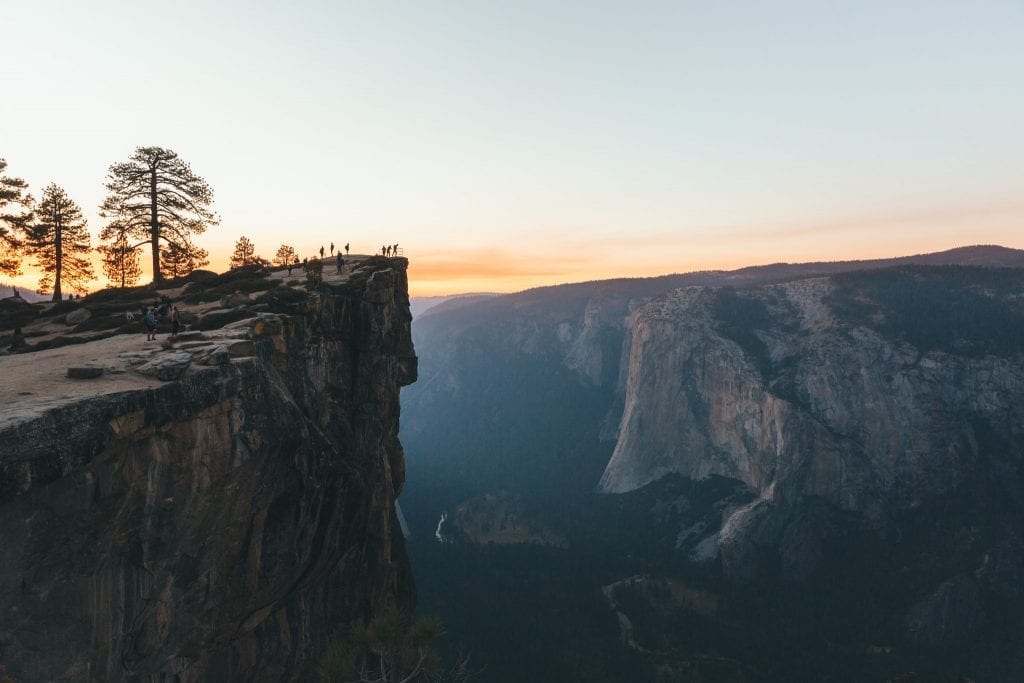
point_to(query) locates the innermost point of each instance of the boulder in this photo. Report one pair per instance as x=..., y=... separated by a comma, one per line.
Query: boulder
x=218, y=355
x=191, y=345
x=166, y=366
x=236, y=299
x=79, y=315
x=243, y=347
x=84, y=371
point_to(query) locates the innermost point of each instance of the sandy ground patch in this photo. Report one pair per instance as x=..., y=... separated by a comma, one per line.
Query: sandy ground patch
x=32, y=383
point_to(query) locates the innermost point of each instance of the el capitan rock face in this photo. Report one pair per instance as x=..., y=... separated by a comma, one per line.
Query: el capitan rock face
x=217, y=526
x=870, y=392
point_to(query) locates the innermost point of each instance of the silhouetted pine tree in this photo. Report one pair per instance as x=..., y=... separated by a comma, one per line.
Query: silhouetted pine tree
x=178, y=262
x=244, y=254
x=12, y=222
x=121, y=263
x=285, y=255
x=155, y=196
x=59, y=241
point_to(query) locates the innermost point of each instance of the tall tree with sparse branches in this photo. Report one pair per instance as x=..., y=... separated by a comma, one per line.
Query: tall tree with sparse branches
x=121, y=262
x=244, y=254
x=59, y=240
x=15, y=216
x=154, y=197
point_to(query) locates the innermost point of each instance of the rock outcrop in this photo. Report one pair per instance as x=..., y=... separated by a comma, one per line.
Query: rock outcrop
x=870, y=392
x=218, y=520
x=499, y=519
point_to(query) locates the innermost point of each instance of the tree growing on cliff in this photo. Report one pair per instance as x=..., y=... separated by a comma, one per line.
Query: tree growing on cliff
x=389, y=649
x=15, y=216
x=314, y=273
x=244, y=254
x=178, y=262
x=59, y=240
x=154, y=197
x=121, y=263
x=285, y=255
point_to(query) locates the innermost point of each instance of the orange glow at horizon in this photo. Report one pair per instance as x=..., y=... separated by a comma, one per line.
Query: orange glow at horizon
x=558, y=258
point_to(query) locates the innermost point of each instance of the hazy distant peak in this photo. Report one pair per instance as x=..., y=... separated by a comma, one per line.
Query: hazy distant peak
x=419, y=305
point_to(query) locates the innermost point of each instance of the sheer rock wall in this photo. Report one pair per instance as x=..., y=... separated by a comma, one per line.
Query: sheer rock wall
x=801, y=403
x=216, y=527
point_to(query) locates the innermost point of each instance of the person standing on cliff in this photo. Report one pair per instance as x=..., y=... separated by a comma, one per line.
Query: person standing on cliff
x=340, y=262
x=175, y=321
x=346, y=248
x=150, y=322
x=332, y=248
x=321, y=251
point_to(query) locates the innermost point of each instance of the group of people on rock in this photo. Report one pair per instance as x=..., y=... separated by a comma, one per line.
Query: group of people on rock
x=332, y=250
x=161, y=310
x=385, y=250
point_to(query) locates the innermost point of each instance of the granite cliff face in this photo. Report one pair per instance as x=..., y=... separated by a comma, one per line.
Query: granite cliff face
x=831, y=453
x=526, y=391
x=870, y=392
x=217, y=526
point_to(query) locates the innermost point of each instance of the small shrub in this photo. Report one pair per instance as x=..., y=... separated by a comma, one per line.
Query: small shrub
x=314, y=274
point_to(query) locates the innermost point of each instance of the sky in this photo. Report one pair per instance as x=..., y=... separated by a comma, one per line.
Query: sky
x=507, y=145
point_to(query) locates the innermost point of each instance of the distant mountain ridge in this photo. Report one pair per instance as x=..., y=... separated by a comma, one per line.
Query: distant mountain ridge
x=418, y=305
x=477, y=354
x=832, y=452
x=7, y=290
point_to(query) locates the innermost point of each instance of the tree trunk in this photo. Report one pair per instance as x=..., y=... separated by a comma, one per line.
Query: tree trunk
x=58, y=256
x=154, y=227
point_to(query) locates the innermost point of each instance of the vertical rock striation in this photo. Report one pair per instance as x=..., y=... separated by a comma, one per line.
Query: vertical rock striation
x=219, y=526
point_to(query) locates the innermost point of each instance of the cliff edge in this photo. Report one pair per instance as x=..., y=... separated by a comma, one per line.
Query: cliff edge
x=213, y=508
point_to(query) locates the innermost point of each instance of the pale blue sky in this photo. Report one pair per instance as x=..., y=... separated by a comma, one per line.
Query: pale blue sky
x=529, y=142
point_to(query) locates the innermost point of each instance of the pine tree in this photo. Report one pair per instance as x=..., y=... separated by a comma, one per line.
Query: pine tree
x=59, y=240
x=12, y=223
x=178, y=262
x=121, y=263
x=245, y=253
x=285, y=255
x=389, y=649
x=155, y=196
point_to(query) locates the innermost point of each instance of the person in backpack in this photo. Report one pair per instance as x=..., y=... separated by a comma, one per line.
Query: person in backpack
x=150, y=322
